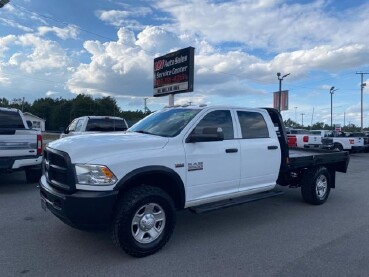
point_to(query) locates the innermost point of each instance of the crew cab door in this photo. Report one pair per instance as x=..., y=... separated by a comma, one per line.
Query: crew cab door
x=212, y=167
x=260, y=150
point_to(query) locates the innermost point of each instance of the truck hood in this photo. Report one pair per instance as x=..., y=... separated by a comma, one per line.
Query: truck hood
x=85, y=148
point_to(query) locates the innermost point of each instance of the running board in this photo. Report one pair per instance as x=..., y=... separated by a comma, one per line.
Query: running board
x=234, y=201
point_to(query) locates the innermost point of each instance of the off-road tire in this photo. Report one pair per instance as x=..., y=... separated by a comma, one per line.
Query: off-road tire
x=33, y=175
x=316, y=185
x=128, y=206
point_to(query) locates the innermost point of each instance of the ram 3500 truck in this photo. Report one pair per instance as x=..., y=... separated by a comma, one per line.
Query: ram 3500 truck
x=197, y=157
x=20, y=146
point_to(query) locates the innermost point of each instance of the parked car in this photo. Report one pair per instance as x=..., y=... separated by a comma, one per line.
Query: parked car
x=95, y=124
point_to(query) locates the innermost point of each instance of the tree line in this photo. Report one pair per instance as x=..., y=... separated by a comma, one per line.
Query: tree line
x=59, y=112
x=321, y=126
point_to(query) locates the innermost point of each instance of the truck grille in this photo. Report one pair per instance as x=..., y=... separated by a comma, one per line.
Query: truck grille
x=58, y=170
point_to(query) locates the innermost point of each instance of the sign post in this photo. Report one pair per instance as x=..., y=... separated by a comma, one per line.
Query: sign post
x=174, y=73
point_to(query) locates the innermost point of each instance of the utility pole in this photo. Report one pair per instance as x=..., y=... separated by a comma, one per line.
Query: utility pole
x=331, y=91
x=145, y=104
x=362, y=88
x=280, y=90
x=302, y=119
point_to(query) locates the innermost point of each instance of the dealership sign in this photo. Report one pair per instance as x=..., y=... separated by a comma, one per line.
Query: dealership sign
x=173, y=72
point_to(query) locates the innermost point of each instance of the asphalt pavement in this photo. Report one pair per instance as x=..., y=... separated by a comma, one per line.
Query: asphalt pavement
x=280, y=236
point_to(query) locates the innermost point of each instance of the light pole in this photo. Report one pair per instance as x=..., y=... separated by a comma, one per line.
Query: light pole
x=302, y=120
x=295, y=114
x=280, y=89
x=362, y=88
x=331, y=91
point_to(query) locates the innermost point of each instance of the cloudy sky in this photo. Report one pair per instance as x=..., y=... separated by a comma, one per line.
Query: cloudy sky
x=106, y=48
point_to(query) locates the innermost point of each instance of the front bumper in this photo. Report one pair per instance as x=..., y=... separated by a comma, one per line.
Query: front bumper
x=80, y=209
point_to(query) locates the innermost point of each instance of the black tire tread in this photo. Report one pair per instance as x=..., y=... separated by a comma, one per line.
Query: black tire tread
x=125, y=204
x=308, y=185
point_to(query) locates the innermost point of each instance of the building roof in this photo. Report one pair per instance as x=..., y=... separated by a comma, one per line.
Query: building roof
x=32, y=115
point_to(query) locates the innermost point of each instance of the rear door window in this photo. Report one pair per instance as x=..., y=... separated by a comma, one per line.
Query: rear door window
x=11, y=120
x=253, y=125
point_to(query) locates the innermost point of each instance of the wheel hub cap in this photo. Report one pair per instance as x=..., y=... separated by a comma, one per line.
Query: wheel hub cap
x=147, y=222
x=321, y=187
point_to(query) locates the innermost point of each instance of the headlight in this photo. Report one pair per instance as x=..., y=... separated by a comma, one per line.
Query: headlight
x=91, y=174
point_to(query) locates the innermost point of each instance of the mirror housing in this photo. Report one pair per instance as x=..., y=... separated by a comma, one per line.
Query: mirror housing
x=29, y=124
x=208, y=134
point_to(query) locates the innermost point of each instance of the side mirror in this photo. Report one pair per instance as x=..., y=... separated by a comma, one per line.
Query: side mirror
x=66, y=131
x=29, y=124
x=208, y=134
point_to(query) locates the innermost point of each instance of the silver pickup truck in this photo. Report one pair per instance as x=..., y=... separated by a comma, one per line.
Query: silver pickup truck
x=20, y=145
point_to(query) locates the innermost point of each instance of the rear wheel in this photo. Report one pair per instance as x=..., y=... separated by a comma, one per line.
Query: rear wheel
x=144, y=221
x=33, y=175
x=316, y=185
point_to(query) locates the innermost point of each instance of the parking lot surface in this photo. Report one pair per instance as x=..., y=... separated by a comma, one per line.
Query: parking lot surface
x=281, y=236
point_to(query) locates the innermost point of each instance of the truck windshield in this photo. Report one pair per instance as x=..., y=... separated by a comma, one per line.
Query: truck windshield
x=165, y=123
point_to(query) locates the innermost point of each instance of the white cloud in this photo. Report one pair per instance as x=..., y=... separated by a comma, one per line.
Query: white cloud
x=71, y=31
x=124, y=18
x=116, y=68
x=4, y=43
x=158, y=40
x=271, y=25
x=45, y=54
x=14, y=24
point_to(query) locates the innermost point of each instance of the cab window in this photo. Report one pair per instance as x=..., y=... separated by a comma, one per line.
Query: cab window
x=79, y=125
x=253, y=125
x=216, y=119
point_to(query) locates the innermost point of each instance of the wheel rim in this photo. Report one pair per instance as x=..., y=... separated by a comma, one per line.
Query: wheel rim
x=321, y=186
x=148, y=223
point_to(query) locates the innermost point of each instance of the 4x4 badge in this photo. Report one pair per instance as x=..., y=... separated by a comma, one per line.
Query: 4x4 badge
x=195, y=166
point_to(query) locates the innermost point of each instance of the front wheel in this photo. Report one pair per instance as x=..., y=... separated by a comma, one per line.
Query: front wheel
x=144, y=221
x=316, y=185
x=338, y=147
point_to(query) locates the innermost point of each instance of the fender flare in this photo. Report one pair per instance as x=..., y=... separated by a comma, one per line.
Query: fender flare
x=178, y=184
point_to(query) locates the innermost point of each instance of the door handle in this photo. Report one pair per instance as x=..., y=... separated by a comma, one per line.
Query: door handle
x=231, y=150
x=272, y=147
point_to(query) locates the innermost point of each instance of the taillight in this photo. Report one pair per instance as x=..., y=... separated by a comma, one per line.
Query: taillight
x=291, y=141
x=352, y=141
x=305, y=139
x=39, y=144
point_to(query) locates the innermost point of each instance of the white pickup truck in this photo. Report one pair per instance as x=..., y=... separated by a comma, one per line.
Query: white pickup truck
x=94, y=124
x=20, y=146
x=343, y=143
x=197, y=157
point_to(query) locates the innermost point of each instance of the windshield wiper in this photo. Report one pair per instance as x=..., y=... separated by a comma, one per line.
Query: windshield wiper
x=144, y=132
